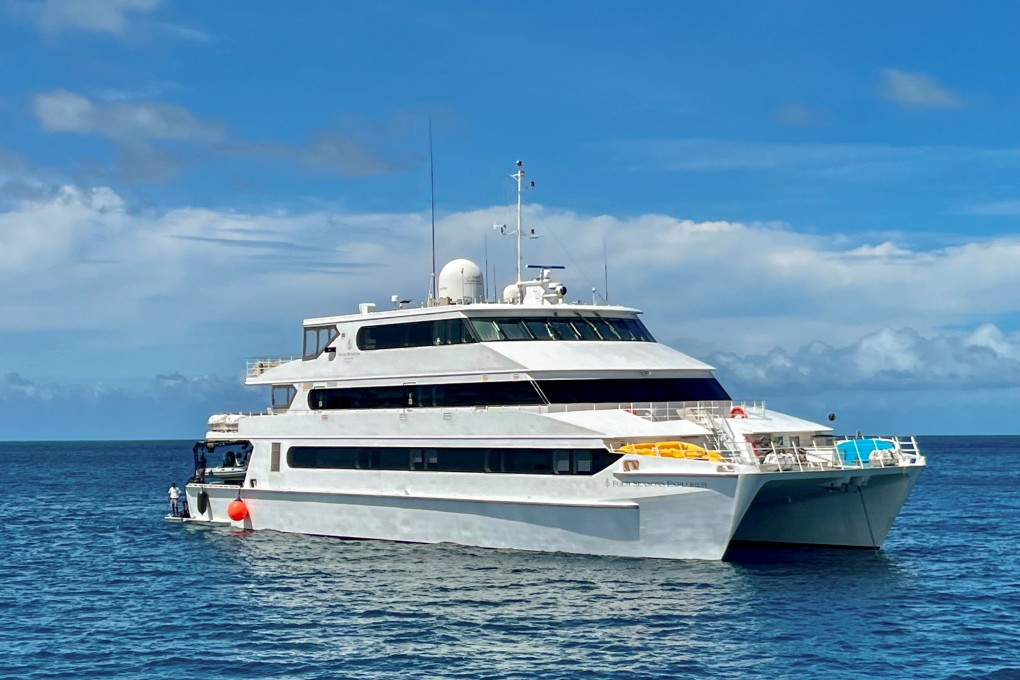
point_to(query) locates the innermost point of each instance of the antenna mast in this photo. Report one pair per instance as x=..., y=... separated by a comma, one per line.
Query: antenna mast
x=519, y=176
x=432, y=191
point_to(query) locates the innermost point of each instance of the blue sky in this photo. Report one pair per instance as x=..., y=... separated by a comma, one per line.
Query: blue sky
x=821, y=200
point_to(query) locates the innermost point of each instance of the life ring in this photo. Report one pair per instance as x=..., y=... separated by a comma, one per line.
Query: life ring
x=738, y=412
x=756, y=447
x=203, y=502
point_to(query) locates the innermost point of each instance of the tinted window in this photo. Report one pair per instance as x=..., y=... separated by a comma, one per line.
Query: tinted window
x=630, y=391
x=604, y=330
x=283, y=395
x=585, y=330
x=539, y=329
x=563, y=329
x=511, y=461
x=415, y=334
x=518, y=393
x=514, y=329
x=316, y=340
x=514, y=393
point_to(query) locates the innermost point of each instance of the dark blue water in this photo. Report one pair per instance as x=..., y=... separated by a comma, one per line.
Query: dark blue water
x=94, y=583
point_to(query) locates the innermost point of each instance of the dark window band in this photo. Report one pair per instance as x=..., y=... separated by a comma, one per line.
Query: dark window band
x=492, y=460
x=493, y=329
x=415, y=334
x=567, y=327
x=518, y=393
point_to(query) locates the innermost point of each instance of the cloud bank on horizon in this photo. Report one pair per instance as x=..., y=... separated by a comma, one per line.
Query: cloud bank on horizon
x=161, y=220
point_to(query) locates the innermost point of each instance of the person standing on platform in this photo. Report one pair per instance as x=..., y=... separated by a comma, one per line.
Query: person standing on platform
x=175, y=494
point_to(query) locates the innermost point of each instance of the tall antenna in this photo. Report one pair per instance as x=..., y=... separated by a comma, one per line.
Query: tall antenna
x=605, y=270
x=432, y=190
x=519, y=176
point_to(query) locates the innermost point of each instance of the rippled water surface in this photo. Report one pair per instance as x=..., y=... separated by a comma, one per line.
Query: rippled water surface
x=93, y=582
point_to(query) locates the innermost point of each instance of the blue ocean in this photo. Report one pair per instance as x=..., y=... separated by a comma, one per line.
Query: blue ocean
x=95, y=583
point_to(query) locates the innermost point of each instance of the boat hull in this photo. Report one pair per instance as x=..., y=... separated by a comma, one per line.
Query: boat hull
x=850, y=510
x=625, y=514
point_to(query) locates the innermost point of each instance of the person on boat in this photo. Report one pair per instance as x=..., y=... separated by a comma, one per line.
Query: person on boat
x=200, y=470
x=175, y=495
x=229, y=460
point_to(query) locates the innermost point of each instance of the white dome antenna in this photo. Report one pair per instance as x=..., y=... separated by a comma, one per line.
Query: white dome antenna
x=462, y=282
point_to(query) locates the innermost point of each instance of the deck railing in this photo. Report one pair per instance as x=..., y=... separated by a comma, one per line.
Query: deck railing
x=259, y=365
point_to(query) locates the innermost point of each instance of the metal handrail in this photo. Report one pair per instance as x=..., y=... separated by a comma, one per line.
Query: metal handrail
x=258, y=365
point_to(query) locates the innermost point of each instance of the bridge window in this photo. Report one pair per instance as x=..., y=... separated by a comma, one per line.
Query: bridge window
x=563, y=327
x=415, y=334
x=316, y=339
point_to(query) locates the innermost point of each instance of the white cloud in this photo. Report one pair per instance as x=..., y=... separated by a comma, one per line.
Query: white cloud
x=886, y=359
x=64, y=111
x=81, y=261
x=916, y=89
x=99, y=16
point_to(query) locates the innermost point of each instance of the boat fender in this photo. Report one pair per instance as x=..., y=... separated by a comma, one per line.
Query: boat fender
x=203, y=502
x=738, y=412
x=237, y=510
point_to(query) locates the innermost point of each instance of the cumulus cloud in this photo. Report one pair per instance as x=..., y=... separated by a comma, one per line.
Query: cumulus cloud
x=900, y=359
x=81, y=258
x=916, y=89
x=192, y=291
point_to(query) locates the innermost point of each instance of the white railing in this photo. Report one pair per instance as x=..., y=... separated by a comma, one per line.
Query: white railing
x=768, y=456
x=260, y=365
x=230, y=422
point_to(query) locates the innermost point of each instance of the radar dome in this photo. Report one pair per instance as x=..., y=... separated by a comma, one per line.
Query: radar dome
x=512, y=294
x=461, y=281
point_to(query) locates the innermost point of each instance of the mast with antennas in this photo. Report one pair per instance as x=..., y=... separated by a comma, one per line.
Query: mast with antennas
x=519, y=176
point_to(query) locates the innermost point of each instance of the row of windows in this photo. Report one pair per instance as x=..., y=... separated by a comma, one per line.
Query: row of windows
x=424, y=396
x=560, y=328
x=316, y=339
x=515, y=461
x=491, y=329
x=519, y=393
x=415, y=334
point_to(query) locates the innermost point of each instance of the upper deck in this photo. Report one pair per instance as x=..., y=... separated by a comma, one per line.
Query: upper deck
x=490, y=339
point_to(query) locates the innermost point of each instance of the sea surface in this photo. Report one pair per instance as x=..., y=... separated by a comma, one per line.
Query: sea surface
x=94, y=583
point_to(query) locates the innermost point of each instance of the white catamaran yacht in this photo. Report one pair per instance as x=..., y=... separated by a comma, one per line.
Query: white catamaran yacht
x=532, y=423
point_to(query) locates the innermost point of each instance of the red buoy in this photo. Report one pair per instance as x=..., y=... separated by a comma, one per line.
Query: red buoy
x=237, y=510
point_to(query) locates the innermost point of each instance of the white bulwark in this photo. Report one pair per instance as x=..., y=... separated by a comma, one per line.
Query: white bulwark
x=535, y=424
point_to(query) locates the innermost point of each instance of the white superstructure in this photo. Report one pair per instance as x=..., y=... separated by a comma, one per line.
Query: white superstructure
x=535, y=424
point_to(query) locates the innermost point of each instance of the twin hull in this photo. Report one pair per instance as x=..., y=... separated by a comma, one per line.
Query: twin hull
x=665, y=508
